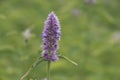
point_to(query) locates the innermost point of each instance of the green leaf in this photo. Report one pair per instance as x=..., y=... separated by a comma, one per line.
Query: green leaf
x=67, y=59
x=37, y=62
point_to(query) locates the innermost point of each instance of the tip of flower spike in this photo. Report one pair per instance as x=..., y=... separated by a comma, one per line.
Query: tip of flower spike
x=52, y=14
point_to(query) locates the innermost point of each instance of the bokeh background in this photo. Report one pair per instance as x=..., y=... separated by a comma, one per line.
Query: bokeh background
x=90, y=36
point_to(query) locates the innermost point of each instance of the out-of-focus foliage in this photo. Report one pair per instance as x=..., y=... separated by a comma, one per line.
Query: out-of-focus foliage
x=90, y=36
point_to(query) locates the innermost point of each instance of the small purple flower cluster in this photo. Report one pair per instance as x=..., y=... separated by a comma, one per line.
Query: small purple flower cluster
x=51, y=36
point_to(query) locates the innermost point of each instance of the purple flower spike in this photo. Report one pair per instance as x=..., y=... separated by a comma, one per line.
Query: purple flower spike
x=51, y=36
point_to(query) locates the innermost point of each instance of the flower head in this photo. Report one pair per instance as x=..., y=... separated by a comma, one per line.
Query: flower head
x=51, y=36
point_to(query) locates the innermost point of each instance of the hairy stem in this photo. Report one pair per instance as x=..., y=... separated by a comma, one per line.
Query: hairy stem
x=49, y=70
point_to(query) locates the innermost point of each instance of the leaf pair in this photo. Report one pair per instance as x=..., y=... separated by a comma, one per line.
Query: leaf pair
x=41, y=59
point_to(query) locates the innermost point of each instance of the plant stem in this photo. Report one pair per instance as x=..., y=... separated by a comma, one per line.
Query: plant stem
x=48, y=70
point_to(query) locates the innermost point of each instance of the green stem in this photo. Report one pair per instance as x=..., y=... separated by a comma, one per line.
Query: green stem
x=48, y=70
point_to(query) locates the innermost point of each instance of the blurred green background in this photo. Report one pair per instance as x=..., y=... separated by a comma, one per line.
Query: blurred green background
x=90, y=36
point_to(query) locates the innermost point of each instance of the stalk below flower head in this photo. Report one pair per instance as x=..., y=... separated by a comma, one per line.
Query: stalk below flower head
x=51, y=36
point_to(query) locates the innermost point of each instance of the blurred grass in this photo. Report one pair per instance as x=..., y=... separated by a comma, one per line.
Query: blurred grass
x=90, y=36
